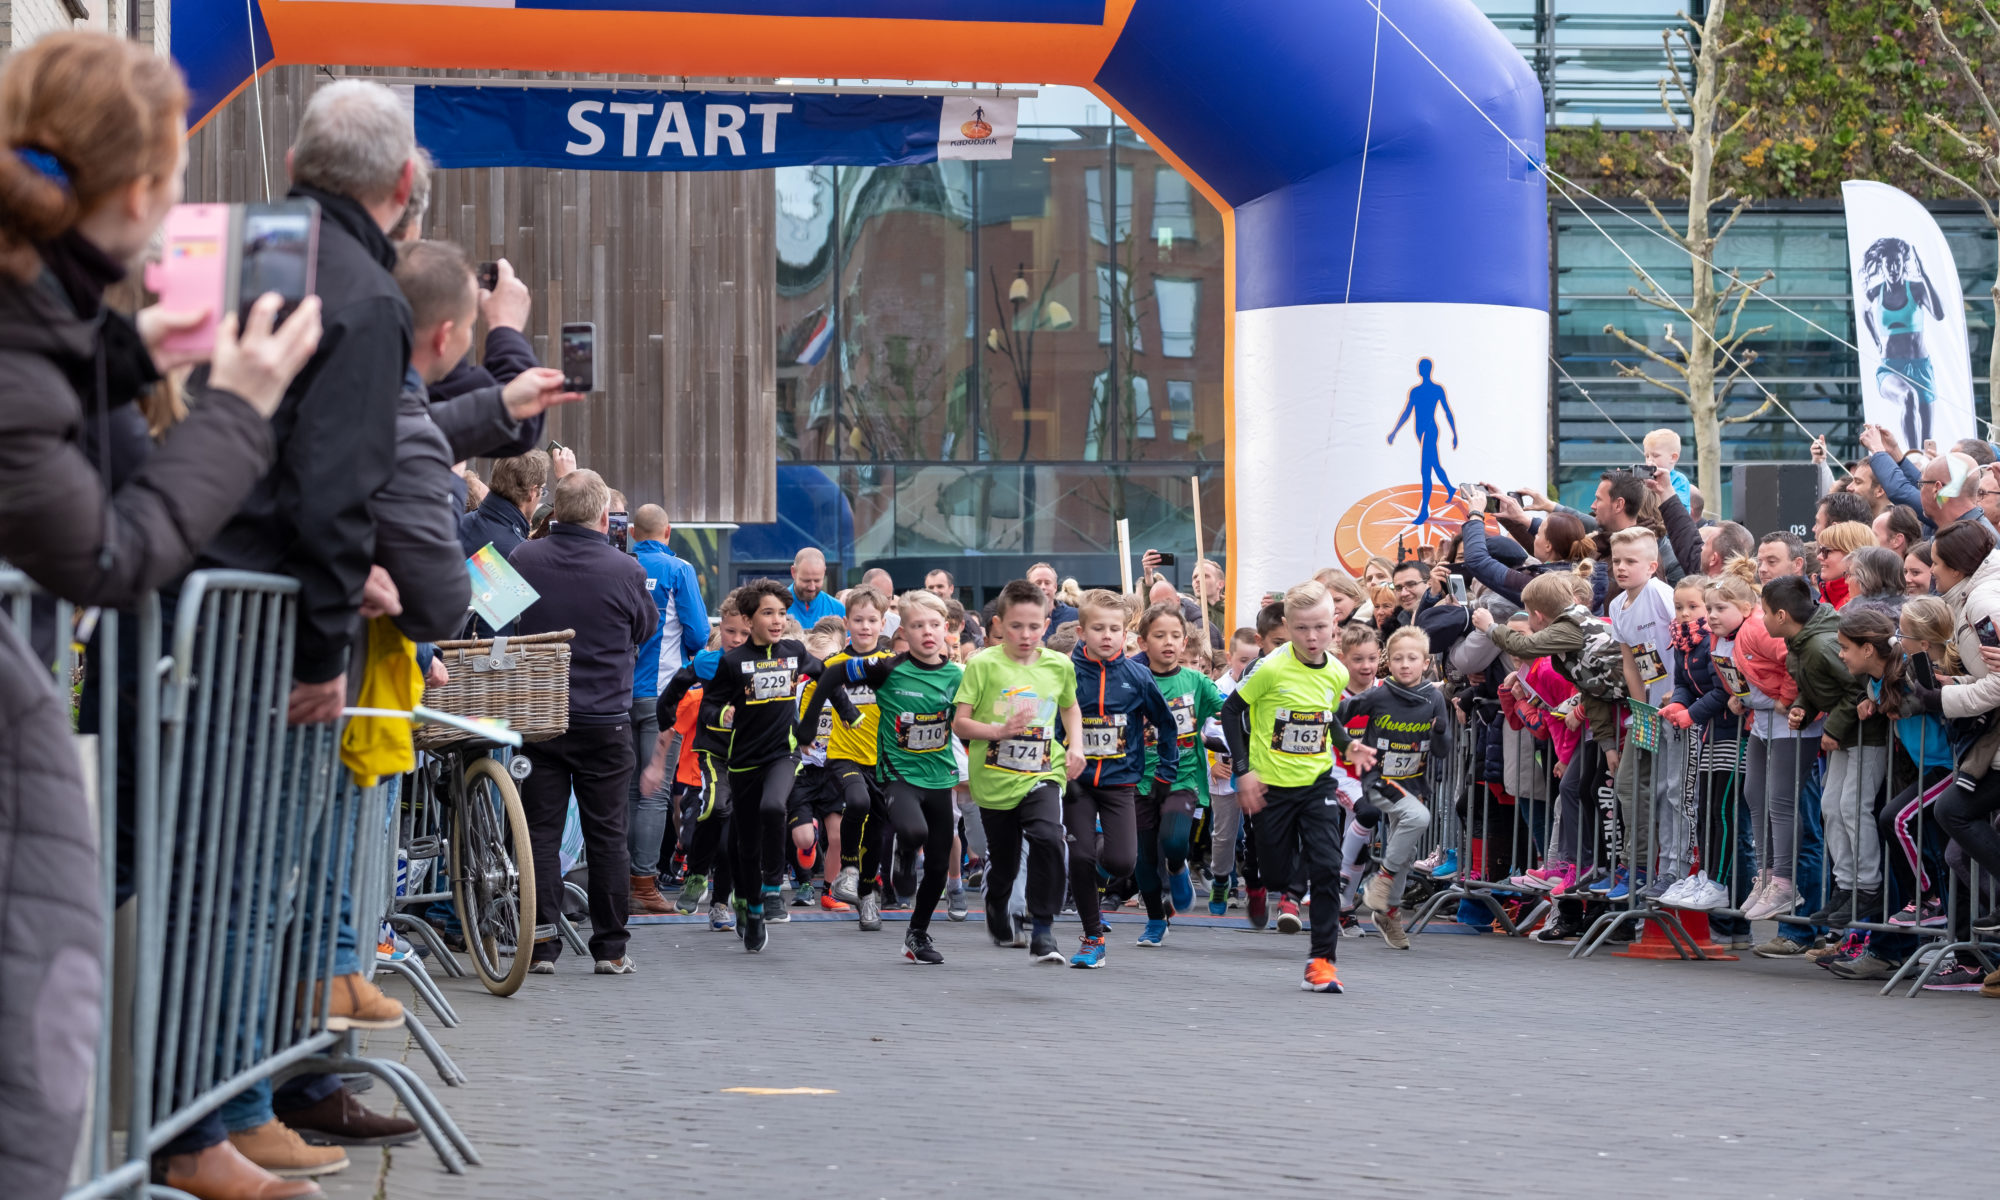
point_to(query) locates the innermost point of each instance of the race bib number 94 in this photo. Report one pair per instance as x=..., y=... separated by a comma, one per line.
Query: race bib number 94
x=1298, y=732
x=924, y=733
x=1104, y=737
x=1027, y=754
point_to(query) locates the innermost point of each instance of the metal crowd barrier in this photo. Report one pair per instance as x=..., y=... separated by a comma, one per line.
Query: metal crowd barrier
x=240, y=837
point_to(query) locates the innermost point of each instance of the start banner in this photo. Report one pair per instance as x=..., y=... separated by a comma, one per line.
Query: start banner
x=632, y=130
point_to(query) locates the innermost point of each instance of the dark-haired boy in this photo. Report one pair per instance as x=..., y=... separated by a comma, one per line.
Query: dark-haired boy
x=1008, y=705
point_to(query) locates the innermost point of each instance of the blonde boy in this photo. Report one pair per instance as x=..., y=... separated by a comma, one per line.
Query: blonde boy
x=1663, y=450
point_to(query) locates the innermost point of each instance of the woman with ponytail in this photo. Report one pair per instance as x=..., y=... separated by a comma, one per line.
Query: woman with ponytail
x=92, y=149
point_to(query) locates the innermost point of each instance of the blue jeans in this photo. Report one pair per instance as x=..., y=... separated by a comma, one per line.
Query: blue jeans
x=1810, y=877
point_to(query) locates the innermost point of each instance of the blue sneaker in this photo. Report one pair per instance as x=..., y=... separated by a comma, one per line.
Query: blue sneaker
x=1091, y=955
x=1218, y=898
x=1156, y=932
x=1614, y=880
x=1448, y=868
x=1181, y=889
x=1624, y=889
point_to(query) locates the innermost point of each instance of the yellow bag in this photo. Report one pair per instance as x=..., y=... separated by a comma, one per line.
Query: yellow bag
x=372, y=747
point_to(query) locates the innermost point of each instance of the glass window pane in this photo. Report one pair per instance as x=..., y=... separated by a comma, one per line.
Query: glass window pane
x=1094, y=435
x=1142, y=407
x=1180, y=407
x=1117, y=306
x=1179, y=302
x=1173, y=206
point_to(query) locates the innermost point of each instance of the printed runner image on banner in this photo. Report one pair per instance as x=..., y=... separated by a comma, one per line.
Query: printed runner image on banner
x=631, y=130
x=1916, y=367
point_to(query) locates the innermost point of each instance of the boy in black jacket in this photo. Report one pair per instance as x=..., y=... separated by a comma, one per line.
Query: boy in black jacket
x=1408, y=725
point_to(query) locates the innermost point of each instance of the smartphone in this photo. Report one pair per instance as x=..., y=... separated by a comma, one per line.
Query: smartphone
x=1457, y=585
x=489, y=276
x=1922, y=672
x=279, y=249
x=579, y=356
x=1166, y=560
x=553, y=446
x=621, y=524
x=218, y=258
x=1645, y=470
x=1493, y=504
x=1988, y=636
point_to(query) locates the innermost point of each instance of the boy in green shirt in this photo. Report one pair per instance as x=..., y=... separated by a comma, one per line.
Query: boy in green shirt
x=1013, y=694
x=1282, y=729
x=1166, y=815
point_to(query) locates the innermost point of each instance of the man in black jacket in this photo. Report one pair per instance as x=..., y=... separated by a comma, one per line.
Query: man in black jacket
x=336, y=429
x=517, y=487
x=587, y=586
x=468, y=402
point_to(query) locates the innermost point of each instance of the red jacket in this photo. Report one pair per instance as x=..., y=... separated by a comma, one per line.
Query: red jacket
x=1761, y=658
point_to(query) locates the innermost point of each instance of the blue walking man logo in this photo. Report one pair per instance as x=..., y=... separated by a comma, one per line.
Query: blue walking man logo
x=1425, y=399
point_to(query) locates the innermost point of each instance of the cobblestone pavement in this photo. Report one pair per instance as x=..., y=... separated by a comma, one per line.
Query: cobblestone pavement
x=1472, y=1065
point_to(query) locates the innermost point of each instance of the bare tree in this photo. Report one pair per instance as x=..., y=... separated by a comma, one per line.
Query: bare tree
x=1715, y=337
x=1982, y=146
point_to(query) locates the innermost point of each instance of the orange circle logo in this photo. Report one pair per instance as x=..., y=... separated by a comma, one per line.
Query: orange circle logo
x=976, y=129
x=1380, y=523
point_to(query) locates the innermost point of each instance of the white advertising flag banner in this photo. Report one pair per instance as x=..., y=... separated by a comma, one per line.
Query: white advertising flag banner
x=977, y=127
x=1916, y=368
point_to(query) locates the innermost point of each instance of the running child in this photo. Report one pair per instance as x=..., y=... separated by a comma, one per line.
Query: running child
x=850, y=760
x=1008, y=704
x=914, y=693
x=816, y=798
x=753, y=695
x=1225, y=818
x=1282, y=735
x=705, y=822
x=1360, y=652
x=1408, y=725
x=1166, y=813
x=1116, y=694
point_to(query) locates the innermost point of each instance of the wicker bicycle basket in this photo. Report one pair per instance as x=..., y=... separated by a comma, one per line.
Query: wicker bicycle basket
x=527, y=686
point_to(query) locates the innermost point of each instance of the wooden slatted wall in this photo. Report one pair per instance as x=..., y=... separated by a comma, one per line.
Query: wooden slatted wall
x=676, y=269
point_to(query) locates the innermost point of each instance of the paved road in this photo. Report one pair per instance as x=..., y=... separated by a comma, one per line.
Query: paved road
x=1471, y=1065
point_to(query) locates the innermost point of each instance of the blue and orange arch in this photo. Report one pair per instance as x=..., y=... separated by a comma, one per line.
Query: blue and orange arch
x=1372, y=167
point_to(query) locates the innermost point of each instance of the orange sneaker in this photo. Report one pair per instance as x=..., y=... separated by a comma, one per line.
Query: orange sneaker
x=1321, y=977
x=827, y=902
x=807, y=856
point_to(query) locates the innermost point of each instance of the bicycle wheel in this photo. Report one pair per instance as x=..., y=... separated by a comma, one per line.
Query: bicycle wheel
x=493, y=876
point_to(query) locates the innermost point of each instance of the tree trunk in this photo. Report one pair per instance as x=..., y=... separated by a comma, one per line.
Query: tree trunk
x=1700, y=245
x=1992, y=370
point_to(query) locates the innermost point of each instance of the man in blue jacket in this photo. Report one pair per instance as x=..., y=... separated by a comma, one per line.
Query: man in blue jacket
x=681, y=634
x=1117, y=696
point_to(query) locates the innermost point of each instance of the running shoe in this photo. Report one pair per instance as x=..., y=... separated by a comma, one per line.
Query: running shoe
x=1090, y=956
x=542, y=966
x=756, y=932
x=1448, y=868
x=1288, y=916
x=617, y=966
x=847, y=885
x=917, y=948
x=1375, y=893
x=1558, y=928
x=390, y=952
x=956, y=906
x=871, y=912
x=1780, y=896
x=807, y=857
x=975, y=872
x=775, y=911
x=1781, y=947
x=1321, y=977
x=1218, y=898
x=1839, y=907
x=1430, y=862
x=1389, y=923
x=1862, y=966
x=720, y=918
x=1180, y=888
x=1958, y=977
x=1020, y=923
x=693, y=890
x=1678, y=890
x=1605, y=885
x=828, y=904
x=1622, y=889
x=1042, y=947
x=1907, y=915
x=1703, y=894
x=804, y=897
x=1665, y=882
x=1259, y=911
x=999, y=926
x=1155, y=933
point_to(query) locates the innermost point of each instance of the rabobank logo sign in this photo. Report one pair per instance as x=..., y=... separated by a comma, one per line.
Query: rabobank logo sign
x=1050, y=12
x=623, y=129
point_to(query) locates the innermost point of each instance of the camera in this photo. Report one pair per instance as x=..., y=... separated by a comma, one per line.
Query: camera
x=1645, y=470
x=620, y=532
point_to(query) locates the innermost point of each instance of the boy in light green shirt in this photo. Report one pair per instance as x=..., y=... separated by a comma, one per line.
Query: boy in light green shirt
x=1014, y=694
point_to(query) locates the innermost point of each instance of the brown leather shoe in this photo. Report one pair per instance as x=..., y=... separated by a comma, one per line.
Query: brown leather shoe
x=222, y=1173
x=359, y=1004
x=342, y=1120
x=278, y=1150
x=646, y=897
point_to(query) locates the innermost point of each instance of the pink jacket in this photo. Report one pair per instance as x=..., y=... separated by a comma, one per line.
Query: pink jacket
x=1551, y=689
x=1761, y=657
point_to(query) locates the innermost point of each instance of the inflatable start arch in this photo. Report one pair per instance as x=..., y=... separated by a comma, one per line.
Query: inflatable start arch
x=1388, y=238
